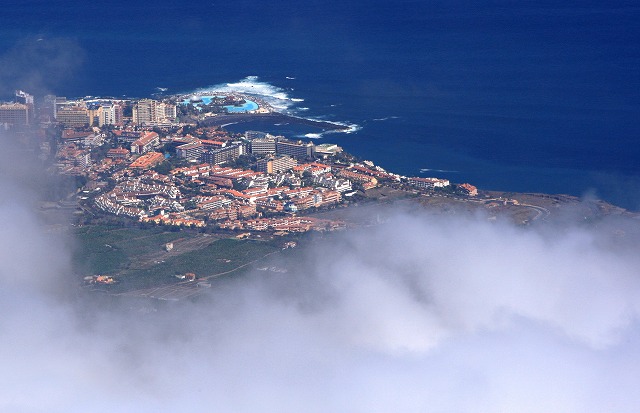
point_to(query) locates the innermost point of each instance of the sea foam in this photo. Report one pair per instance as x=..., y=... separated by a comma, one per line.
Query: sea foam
x=275, y=96
x=425, y=170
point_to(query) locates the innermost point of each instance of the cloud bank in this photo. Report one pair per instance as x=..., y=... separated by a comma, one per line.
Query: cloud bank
x=421, y=314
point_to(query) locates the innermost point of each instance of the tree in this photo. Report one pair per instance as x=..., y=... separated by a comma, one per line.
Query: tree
x=163, y=168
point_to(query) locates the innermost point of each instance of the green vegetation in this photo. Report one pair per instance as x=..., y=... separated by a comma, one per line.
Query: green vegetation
x=108, y=250
x=218, y=257
x=137, y=259
x=164, y=168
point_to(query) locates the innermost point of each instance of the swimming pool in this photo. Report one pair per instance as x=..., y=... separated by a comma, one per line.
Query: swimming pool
x=246, y=107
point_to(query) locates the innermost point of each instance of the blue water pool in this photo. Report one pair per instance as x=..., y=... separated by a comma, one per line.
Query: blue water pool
x=246, y=107
x=205, y=100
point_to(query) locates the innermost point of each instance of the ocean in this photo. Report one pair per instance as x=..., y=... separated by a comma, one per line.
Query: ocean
x=536, y=96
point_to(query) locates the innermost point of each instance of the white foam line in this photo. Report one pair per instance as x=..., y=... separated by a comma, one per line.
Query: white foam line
x=424, y=170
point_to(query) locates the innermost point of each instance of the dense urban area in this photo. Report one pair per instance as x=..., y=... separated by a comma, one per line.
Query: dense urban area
x=162, y=163
x=152, y=161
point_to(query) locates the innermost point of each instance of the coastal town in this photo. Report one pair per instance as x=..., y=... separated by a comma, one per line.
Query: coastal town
x=165, y=199
x=158, y=162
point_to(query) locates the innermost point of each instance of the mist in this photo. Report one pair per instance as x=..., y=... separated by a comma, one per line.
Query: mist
x=423, y=313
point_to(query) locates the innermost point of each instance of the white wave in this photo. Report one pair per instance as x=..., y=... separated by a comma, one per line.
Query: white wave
x=289, y=77
x=313, y=135
x=424, y=170
x=386, y=118
x=162, y=89
x=351, y=127
x=275, y=96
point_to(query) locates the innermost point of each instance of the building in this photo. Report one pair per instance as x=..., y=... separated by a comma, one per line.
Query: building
x=365, y=181
x=166, y=112
x=26, y=99
x=327, y=149
x=145, y=143
x=276, y=164
x=72, y=136
x=150, y=112
x=428, y=183
x=14, y=113
x=118, y=153
x=127, y=136
x=110, y=114
x=300, y=150
x=148, y=160
x=144, y=112
x=191, y=150
x=73, y=116
x=60, y=102
x=213, y=202
x=252, y=134
x=222, y=155
x=263, y=146
x=314, y=169
x=469, y=189
x=212, y=145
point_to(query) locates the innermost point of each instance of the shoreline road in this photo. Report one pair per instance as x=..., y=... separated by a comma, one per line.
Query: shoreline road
x=539, y=210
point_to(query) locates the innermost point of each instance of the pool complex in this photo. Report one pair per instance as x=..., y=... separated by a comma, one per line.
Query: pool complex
x=248, y=105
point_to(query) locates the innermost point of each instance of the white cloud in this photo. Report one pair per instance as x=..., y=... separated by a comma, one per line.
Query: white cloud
x=423, y=313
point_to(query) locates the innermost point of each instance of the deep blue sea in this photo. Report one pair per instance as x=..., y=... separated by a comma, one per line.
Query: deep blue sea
x=509, y=95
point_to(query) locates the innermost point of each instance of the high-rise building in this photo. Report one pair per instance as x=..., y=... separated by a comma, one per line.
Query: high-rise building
x=73, y=116
x=222, y=155
x=166, y=112
x=26, y=99
x=298, y=149
x=149, y=111
x=110, y=114
x=16, y=114
x=265, y=145
x=60, y=102
x=93, y=112
x=276, y=164
x=145, y=111
x=118, y=114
